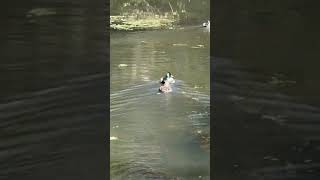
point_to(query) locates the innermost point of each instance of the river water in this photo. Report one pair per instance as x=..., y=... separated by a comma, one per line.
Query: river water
x=53, y=90
x=160, y=136
x=262, y=131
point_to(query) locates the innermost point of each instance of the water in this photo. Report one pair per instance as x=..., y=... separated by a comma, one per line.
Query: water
x=276, y=134
x=266, y=91
x=53, y=95
x=53, y=91
x=160, y=136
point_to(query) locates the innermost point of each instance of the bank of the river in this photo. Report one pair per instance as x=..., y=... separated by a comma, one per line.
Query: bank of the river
x=133, y=23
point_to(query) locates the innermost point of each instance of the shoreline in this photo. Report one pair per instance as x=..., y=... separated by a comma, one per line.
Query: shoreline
x=133, y=23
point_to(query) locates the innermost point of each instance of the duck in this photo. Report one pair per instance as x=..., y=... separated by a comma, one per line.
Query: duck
x=168, y=78
x=206, y=24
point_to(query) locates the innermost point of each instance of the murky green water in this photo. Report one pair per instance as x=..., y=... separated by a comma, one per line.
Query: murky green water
x=160, y=136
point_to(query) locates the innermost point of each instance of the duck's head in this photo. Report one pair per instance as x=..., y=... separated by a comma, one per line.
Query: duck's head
x=169, y=75
x=163, y=79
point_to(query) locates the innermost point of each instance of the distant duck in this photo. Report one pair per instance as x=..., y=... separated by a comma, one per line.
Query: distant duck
x=206, y=24
x=168, y=78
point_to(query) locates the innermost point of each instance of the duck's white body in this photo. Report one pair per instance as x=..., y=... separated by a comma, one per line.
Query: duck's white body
x=171, y=80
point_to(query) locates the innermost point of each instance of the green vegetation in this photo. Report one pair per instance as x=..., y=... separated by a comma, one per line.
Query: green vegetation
x=155, y=14
x=130, y=23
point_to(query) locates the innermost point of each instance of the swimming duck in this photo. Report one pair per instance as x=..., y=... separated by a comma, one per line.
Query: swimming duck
x=206, y=24
x=168, y=78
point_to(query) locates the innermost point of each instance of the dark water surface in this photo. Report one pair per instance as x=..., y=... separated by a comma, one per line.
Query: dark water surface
x=266, y=90
x=53, y=90
x=261, y=130
x=160, y=136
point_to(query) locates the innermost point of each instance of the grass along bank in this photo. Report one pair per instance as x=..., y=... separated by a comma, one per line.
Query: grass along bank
x=134, y=23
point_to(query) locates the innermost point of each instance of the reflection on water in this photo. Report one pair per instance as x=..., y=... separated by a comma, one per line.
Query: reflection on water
x=160, y=136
